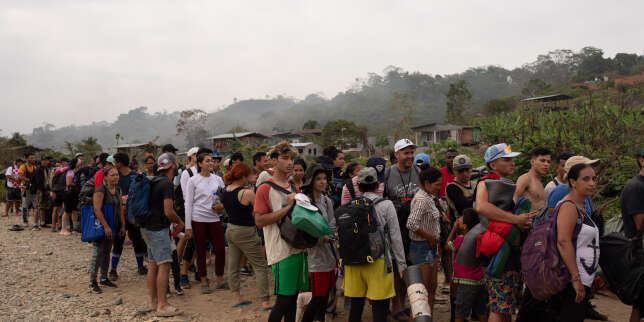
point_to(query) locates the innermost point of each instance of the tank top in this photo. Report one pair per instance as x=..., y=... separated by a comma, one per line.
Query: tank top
x=587, y=252
x=238, y=214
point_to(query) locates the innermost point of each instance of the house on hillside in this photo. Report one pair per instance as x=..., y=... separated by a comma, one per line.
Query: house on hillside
x=294, y=136
x=555, y=102
x=138, y=151
x=434, y=133
x=307, y=148
x=222, y=142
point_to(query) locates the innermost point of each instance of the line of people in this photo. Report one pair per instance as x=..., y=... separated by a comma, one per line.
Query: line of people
x=426, y=217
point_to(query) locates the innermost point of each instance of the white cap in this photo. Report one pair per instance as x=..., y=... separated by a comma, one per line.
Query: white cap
x=401, y=144
x=193, y=151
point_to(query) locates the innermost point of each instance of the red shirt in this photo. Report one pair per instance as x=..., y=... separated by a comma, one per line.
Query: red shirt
x=447, y=179
x=98, y=178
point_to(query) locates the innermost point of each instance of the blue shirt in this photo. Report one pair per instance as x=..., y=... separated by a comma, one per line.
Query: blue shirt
x=124, y=182
x=560, y=192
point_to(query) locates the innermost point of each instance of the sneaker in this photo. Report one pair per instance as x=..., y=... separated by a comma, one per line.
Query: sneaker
x=185, y=282
x=143, y=270
x=93, y=287
x=178, y=290
x=106, y=282
x=246, y=270
x=113, y=276
x=5, y=215
x=35, y=228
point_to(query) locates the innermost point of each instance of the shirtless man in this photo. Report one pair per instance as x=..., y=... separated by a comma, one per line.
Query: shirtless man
x=529, y=184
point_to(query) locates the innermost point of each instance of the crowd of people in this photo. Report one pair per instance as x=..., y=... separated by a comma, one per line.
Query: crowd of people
x=473, y=229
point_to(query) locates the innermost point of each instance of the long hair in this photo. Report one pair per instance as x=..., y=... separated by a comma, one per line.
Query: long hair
x=239, y=171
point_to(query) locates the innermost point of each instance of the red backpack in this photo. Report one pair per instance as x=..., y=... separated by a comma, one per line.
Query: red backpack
x=544, y=271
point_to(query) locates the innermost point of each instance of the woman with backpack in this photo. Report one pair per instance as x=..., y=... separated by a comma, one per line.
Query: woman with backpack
x=70, y=197
x=563, y=295
x=202, y=219
x=106, y=194
x=424, y=229
x=322, y=257
x=241, y=234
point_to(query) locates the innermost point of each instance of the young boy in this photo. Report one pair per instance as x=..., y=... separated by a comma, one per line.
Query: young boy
x=471, y=293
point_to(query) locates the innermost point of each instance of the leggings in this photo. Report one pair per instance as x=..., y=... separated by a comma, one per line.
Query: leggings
x=379, y=309
x=286, y=307
x=100, y=258
x=203, y=232
x=135, y=234
x=316, y=308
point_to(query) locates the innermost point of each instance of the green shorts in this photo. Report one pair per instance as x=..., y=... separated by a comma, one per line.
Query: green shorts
x=291, y=274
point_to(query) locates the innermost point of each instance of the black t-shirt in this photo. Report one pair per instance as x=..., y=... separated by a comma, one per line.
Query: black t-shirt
x=458, y=197
x=160, y=190
x=124, y=181
x=632, y=202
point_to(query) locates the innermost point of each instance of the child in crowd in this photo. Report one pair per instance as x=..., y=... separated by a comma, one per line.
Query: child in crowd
x=471, y=294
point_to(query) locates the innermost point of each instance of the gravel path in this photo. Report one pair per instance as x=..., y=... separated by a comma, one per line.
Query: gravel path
x=44, y=277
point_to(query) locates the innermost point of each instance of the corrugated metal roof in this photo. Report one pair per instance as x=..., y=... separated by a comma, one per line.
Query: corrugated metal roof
x=547, y=98
x=234, y=135
x=131, y=145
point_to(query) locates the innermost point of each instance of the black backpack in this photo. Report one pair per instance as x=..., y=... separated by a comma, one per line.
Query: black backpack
x=179, y=202
x=86, y=195
x=360, y=240
x=58, y=183
x=298, y=239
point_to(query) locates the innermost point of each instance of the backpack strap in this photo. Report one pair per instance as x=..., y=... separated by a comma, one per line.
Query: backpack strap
x=580, y=220
x=350, y=188
x=279, y=188
x=190, y=172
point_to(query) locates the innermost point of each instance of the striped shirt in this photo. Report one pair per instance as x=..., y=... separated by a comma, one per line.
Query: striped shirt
x=423, y=215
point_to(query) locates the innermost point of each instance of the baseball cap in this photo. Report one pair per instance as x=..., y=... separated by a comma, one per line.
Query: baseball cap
x=421, y=158
x=578, y=159
x=193, y=151
x=169, y=148
x=379, y=164
x=401, y=144
x=499, y=151
x=166, y=160
x=78, y=155
x=367, y=175
x=461, y=162
x=110, y=159
x=216, y=155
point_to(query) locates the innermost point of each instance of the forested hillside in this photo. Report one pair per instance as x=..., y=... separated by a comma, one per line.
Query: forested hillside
x=368, y=101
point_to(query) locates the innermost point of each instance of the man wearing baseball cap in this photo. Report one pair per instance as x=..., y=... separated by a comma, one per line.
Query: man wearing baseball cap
x=156, y=234
x=460, y=192
x=632, y=204
x=562, y=190
x=500, y=160
x=402, y=181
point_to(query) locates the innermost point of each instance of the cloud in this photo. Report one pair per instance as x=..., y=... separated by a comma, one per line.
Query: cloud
x=73, y=62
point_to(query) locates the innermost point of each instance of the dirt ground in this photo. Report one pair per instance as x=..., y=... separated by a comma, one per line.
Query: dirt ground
x=45, y=278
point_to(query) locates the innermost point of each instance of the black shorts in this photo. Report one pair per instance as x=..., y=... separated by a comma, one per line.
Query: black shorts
x=13, y=195
x=58, y=199
x=71, y=201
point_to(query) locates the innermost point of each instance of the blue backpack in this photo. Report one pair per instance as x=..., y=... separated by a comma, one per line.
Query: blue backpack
x=138, y=200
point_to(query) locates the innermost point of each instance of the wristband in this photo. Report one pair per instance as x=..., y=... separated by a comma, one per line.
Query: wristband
x=576, y=278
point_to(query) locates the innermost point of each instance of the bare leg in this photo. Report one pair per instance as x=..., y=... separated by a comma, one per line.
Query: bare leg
x=65, y=224
x=635, y=315
x=54, y=216
x=433, y=281
x=180, y=247
x=151, y=280
x=162, y=275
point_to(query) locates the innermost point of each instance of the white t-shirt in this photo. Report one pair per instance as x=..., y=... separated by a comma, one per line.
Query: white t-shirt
x=551, y=186
x=200, y=193
x=13, y=177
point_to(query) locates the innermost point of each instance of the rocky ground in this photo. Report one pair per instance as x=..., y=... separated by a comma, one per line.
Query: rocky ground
x=44, y=277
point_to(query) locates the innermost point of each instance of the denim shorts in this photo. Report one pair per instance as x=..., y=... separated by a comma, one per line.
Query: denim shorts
x=421, y=253
x=158, y=242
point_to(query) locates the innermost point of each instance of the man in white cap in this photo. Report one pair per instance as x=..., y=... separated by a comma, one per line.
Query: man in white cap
x=402, y=181
x=191, y=170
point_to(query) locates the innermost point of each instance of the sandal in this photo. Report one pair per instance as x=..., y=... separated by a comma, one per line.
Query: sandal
x=16, y=228
x=170, y=312
x=242, y=303
x=222, y=286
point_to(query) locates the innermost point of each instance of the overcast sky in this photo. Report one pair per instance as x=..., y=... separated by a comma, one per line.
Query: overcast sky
x=74, y=62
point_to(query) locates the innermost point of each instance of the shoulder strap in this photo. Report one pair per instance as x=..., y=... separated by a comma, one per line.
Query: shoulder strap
x=190, y=172
x=555, y=181
x=386, y=191
x=352, y=191
x=278, y=188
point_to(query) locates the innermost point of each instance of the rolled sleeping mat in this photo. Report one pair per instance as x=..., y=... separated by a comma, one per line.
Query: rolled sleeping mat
x=418, y=295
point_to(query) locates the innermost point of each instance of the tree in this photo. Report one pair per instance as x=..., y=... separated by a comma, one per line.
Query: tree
x=500, y=105
x=533, y=87
x=382, y=141
x=89, y=147
x=191, y=123
x=458, y=98
x=238, y=129
x=341, y=133
x=405, y=104
x=17, y=140
x=310, y=125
